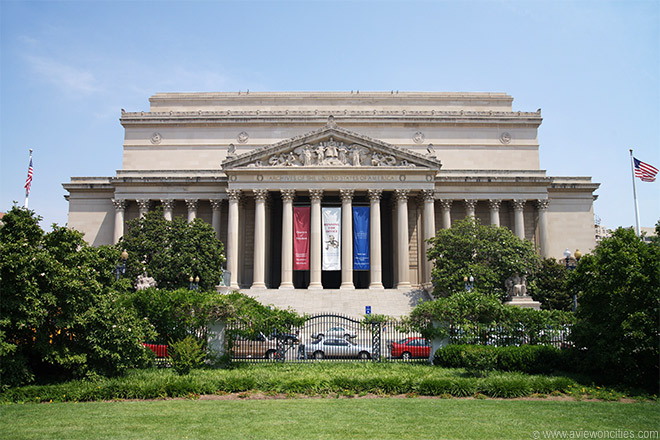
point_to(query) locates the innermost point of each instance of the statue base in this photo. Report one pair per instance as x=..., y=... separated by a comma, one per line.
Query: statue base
x=526, y=302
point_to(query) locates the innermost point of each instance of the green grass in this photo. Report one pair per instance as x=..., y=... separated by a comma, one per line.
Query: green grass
x=309, y=379
x=321, y=418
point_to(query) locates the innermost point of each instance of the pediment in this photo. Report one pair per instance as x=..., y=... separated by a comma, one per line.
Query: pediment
x=331, y=147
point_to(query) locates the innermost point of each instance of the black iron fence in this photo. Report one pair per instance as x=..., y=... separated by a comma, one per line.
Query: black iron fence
x=342, y=338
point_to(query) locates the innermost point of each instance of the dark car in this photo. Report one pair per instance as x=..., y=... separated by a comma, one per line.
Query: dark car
x=288, y=338
x=409, y=348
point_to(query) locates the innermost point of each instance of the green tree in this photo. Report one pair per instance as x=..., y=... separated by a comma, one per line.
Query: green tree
x=488, y=253
x=60, y=315
x=617, y=325
x=173, y=251
x=549, y=286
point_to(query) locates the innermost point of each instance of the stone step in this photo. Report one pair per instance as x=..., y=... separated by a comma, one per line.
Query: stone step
x=351, y=302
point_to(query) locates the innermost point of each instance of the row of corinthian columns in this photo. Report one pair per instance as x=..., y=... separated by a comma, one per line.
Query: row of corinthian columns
x=401, y=247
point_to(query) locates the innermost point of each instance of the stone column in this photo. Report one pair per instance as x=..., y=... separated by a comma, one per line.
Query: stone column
x=494, y=205
x=216, y=205
x=259, y=267
x=143, y=206
x=232, y=235
x=346, y=239
x=120, y=209
x=445, y=209
x=544, y=240
x=428, y=196
x=315, y=240
x=192, y=209
x=470, y=205
x=287, y=238
x=518, y=218
x=168, y=208
x=403, y=258
x=375, y=252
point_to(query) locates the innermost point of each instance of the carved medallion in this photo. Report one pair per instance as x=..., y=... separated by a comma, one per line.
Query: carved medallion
x=242, y=137
x=505, y=138
x=156, y=138
x=418, y=137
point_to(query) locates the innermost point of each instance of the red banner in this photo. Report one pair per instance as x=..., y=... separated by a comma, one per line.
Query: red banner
x=301, y=223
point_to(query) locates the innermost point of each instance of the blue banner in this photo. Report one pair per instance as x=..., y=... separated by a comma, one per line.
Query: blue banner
x=360, y=238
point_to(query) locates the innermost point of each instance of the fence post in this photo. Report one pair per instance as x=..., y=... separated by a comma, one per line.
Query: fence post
x=215, y=337
x=375, y=341
x=438, y=341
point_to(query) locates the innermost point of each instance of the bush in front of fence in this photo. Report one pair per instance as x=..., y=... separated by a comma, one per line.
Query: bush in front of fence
x=477, y=359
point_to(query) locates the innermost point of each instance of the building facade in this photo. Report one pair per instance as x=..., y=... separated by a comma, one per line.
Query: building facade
x=245, y=162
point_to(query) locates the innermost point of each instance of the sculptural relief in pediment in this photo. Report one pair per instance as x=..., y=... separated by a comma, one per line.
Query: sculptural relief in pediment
x=332, y=153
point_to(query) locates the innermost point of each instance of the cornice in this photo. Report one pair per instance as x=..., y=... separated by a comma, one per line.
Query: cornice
x=341, y=116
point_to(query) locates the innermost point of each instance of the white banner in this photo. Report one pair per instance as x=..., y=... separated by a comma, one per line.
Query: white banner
x=331, y=218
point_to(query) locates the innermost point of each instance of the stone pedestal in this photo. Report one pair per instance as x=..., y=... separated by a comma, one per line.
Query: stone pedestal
x=524, y=302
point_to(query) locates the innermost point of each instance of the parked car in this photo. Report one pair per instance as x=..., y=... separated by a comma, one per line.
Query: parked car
x=409, y=348
x=337, y=348
x=288, y=338
x=258, y=346
x=335, y=332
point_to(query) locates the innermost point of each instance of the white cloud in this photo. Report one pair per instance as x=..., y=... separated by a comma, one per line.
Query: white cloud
x=69, y=78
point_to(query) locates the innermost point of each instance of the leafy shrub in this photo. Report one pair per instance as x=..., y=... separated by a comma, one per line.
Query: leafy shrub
x=60, y=317
x=482, y=358
x=478, y=360
x=618, y=288
x=186, y=354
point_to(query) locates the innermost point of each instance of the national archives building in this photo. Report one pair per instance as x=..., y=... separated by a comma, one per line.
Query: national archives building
x=324, y=200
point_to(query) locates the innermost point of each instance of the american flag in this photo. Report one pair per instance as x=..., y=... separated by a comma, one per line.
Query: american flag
x=645, y=171
x=28, y=181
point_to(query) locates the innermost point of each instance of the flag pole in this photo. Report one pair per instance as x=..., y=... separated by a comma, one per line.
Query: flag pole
x=632, y=170
x=27, y=190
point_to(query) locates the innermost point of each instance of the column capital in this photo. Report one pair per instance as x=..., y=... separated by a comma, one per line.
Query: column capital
x=234, y=194
x=470, y=204
x=316, y=194
x=401, y=195
x=542, y=204
x=446, y=203
x=192, y=203
x=119, y=204
x=428, y=195
x=288, y=194
x=375, y=194
x=167, y=203
x=518, y=204
x=260, y=194
x=144, y=204
x=216, y=204
x=346, y=195
x=494, y=204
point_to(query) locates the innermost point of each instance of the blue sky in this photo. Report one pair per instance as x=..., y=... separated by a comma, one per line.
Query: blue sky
x=68, y=68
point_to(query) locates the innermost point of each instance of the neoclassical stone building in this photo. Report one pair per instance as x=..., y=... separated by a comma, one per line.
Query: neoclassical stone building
x=318, y=191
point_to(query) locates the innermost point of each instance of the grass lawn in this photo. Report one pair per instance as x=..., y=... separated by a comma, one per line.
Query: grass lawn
x=323, y=418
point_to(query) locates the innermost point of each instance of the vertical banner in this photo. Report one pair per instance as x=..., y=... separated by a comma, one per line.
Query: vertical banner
x=360, y=238
x=331, y=247
x=301, y=237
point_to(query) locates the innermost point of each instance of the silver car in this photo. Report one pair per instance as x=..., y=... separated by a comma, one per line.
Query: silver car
x=337, y=348
x=335, y=332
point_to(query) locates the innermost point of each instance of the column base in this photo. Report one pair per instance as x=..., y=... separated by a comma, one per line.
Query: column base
x=376, y=286
x=315, y=286
x=347, y=286
x=405, y=285
x=286, y=286
x=234, y=286
x=258, y=286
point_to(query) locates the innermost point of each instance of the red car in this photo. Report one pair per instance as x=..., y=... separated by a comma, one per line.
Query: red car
x=409, y=348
